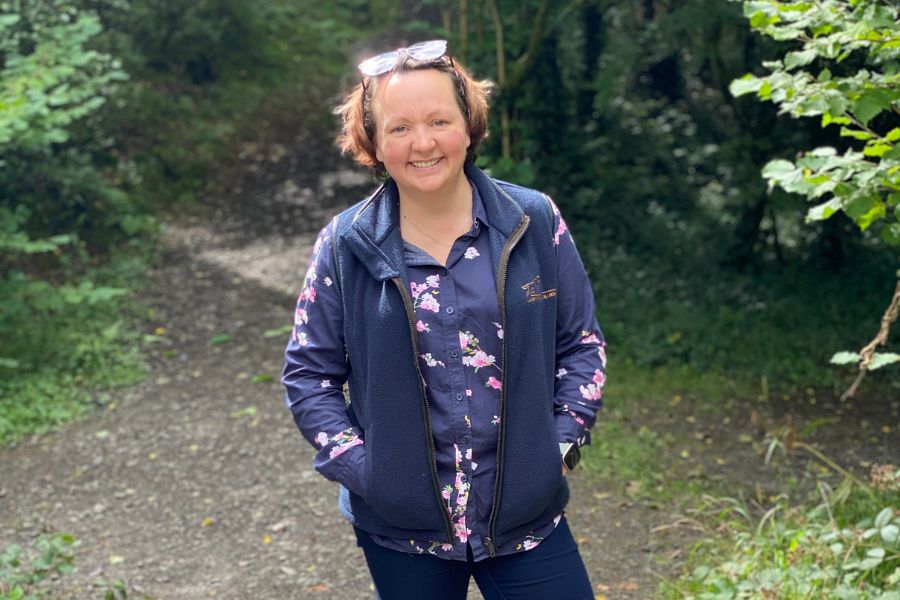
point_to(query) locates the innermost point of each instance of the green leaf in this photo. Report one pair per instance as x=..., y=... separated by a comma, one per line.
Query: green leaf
x=855, y=134
x=824, y=210
x=891, y=234
x=876, y=150
x=880, y=359
x=874, y=557
x=890, y=533
x=249, y=411
x=845, y=358
x=745, y=85
x=278, y=332
x=261, y=378
x=220, y=338
x=865, y=210
x=872, y=103
x=799, y=59
x=893, y=135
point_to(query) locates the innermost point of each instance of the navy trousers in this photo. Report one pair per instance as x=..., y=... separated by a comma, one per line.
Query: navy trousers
x=552, y=570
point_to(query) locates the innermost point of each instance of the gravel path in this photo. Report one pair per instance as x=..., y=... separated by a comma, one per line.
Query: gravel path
x=196, y=483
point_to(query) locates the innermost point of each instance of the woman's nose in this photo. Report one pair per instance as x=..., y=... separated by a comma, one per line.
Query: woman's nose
x=422, y=140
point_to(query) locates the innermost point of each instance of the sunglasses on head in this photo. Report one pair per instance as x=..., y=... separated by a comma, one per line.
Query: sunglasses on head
x=385, y=62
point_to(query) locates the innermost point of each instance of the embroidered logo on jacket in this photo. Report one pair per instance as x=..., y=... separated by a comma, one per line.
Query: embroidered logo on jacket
x=534, y=291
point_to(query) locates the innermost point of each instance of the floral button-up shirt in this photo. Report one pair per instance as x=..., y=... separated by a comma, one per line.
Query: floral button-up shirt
x=458, y=324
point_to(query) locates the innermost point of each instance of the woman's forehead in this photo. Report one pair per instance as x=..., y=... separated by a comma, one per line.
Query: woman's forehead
x=415, y=90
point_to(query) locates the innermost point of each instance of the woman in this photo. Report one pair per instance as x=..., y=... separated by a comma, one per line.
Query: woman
x=457, y=309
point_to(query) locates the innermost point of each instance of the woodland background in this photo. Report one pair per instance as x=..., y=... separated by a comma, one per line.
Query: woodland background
x=115, y=114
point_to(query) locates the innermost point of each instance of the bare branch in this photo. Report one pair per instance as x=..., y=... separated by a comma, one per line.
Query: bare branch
x=868, y=352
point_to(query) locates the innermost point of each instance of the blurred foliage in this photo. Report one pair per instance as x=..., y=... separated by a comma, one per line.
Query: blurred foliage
x=622, y=112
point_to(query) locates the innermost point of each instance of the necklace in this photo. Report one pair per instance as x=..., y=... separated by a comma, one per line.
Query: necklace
x=431, y=237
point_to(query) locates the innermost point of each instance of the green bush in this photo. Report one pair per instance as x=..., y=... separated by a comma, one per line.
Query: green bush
x=847, y=547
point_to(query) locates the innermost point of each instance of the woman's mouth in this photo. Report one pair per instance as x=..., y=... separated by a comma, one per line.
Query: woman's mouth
x=424, y=164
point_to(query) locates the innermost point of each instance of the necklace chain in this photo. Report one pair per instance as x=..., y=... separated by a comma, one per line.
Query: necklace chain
x=431, y=237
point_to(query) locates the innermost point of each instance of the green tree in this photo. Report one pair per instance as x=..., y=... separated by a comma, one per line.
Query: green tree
x=843, y=67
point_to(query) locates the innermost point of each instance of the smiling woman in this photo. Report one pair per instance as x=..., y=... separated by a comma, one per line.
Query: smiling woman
x=457, y=309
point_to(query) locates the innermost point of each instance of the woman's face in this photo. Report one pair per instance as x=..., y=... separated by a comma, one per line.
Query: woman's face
x=420, y=132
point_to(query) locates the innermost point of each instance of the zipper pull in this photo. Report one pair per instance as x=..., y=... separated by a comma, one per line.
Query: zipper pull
x=490, y=546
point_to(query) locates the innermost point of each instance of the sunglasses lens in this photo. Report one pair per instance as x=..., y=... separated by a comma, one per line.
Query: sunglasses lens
x=378, y=65
x=428, y=50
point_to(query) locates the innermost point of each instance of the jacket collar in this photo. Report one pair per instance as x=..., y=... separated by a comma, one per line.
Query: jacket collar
x=374, y=235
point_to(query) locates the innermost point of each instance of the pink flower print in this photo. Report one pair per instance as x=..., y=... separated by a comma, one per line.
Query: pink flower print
x=446, y=491
x=480, y=359
x=458, y=461
x=499, y=330
x=302, y=339
x=420, y=327
x=463, y=340
x=530, y=542
x=599, y=377
x=326, y=383
x=469, y=393
x=429, y=303
x=431, y=361
x=474, y=466
x=560, y=230
x=471, y=253
x=601, y=352
x=557, y=519
x=459, y=528
x=591, y=391
x=495, y=420
x=322, y=439
x=446, y=547
x=328, y=281
x=589, y=337
x=493, y=382
x=300, y=316
x=433, y=281
x=468, y=454
x=561, y=373
x=312, y=294
x=349, y=442
x=417, y=288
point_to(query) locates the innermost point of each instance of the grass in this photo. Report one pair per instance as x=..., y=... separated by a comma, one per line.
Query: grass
x=70, y=351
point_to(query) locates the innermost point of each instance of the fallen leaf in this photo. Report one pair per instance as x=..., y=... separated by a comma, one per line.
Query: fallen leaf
x=115, y=559
x=194, y=447
x=102, y=435
x=599, y=597
x=319, y=587
x=219, y=339
x=152, y=456
x=267, y=539
x=159, y=331
x=261, y=378
x=208, y=521
x=243, y=412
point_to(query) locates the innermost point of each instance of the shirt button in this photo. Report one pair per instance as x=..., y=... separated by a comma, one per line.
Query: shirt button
x=449, y=310
x=459, y=396
x=464, y=440
x=445, y=272
x=463, y=478
x=454, y=353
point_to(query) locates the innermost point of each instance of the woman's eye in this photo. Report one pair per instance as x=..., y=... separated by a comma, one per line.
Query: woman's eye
x=398, y=129
x=440, y=122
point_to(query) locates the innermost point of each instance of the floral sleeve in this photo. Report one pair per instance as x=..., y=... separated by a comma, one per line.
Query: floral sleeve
x=580, y=347
x=315, y=371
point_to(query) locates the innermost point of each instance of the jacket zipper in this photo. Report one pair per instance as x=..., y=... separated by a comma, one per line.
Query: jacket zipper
x=501, y=295
x=410, y=313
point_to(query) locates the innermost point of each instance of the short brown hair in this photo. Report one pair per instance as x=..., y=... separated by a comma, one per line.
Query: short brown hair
x=357, y=136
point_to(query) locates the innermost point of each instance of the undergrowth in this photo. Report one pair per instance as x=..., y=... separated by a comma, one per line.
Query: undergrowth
x=845, y=546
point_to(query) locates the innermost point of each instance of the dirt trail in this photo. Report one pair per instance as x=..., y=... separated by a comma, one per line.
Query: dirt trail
x=195, y=483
